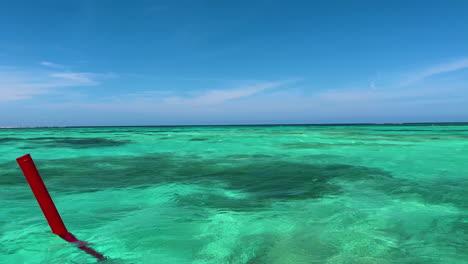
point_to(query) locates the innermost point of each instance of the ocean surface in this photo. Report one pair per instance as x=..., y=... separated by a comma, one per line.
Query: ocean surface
x=241, y=194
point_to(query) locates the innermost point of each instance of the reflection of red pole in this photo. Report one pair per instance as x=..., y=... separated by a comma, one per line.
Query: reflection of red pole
x=47, y=205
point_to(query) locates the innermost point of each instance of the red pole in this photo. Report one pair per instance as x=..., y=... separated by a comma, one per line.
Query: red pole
x=42, y=195
x=48, y=207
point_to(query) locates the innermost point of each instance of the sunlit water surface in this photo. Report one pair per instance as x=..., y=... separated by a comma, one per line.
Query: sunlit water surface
x=257, y=194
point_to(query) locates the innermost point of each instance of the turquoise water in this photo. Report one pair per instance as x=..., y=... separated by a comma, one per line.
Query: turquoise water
x=256, y=194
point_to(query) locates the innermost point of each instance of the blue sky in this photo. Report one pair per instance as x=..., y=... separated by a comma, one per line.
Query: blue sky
x=232, y=62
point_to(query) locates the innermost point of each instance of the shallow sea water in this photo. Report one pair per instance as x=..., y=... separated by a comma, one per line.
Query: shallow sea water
x=246, y=194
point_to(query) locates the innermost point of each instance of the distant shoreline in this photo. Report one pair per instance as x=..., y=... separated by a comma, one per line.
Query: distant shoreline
x=256, y=125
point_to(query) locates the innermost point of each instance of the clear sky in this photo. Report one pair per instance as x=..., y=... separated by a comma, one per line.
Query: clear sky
x=111, y=62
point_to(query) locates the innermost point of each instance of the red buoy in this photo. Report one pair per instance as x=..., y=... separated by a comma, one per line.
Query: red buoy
x=48, y=207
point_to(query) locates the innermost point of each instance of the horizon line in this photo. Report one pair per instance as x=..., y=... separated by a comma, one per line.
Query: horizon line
x=260, y=124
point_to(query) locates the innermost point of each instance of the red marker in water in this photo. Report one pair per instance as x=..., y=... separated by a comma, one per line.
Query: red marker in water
x=48, y=207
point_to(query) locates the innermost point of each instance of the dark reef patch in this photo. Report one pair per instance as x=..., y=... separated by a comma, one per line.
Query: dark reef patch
x=318, y=145
x=9, y=139
x=264, y=180
x=70, y=142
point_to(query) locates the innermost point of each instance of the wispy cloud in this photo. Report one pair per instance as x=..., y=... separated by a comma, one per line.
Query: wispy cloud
x=456, y=65
x=363, y=96
x=222, y=95
x=166, y=101
x=51, y=65
x=394, y=90
x=85, y=78
x=17, y=84
x=267, y=100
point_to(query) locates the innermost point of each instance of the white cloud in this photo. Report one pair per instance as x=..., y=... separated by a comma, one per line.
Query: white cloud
x=370, y=96
x=220, y=96
x=164, y=101
x=380, y=97
x=86, y=78
x=16, y=84
x=457, y=65
x=51, y=65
